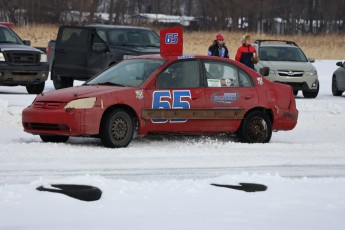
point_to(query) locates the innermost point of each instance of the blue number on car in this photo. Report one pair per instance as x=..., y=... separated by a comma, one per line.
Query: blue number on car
x=171, y=39
x=178, y=100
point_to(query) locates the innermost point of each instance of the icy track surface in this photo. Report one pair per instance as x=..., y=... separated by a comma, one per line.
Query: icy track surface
x=163, y=183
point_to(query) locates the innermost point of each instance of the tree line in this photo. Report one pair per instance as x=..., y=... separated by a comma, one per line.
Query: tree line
x=267, y=16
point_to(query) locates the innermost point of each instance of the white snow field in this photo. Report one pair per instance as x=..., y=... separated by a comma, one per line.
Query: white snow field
x=164, y=183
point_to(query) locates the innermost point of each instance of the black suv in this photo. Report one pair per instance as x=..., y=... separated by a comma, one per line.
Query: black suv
x=79, y=53
x=21, y=64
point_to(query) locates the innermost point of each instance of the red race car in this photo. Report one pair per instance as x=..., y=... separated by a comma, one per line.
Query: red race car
x=165, y=94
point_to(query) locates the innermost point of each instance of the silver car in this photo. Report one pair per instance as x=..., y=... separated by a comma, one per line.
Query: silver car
x=338, y=80
x=288, y=65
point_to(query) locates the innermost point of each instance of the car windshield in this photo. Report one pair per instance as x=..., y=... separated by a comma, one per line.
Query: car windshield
x=8, y=36
x=274, y=53
x=128, y=73
x=133, y=37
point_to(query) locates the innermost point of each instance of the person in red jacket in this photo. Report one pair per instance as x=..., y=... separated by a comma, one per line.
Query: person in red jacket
x=246, y=54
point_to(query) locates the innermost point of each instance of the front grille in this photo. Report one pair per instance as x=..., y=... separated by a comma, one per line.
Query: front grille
x=48, y=105
x=290, y=73
x=22, y=58
x=46, y=126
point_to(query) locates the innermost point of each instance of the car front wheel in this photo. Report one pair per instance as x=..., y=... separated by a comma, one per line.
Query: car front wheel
x=35, y=89
x=335, y=90
x=256, y=128
x=117, y=129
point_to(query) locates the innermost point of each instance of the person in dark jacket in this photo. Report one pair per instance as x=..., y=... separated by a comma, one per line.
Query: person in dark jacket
x=246, y=54
x=218, y=48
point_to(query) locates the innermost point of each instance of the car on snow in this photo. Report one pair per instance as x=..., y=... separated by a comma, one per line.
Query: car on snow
x=288, y=65
x=165, y=94
x=21, y=64
x=338, y=80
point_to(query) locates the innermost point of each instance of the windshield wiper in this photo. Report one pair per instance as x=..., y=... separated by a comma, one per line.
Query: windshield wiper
x=111, y=83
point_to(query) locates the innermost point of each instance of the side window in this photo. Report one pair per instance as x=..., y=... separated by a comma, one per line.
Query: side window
x=10, y=37
x=75, y=37
x=183, y=74
x=220, y=74
x=99, y=37
x=245, y=80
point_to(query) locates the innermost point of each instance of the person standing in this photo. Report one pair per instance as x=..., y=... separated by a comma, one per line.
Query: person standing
x=247, y=54
x=218, y=48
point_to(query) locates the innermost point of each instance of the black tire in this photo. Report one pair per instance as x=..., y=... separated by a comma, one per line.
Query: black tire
x=61, y=82
x=54, y=138
x=256, y=128
x=308, y=94
x=35, y=89
x=335, y=90
x=117, y=129
x=295, y=92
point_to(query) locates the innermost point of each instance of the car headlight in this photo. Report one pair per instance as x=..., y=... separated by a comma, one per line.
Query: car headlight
x=2, y=57
x=44, y=58
x=311, y=73
x=83, y=103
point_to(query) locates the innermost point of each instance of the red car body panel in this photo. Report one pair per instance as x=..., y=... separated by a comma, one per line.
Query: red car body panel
x=47, y=116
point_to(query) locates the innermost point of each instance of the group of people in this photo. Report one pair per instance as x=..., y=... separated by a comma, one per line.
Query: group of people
x=246, y=53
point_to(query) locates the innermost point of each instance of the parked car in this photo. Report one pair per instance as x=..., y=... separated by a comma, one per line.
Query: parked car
x=288, y=65
x=79, y=53
x=338, y=80
x=197, y=95
x=21, y=64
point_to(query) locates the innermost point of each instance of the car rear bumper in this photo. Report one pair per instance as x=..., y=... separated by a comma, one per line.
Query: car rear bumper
x=81, y=122
x=23, y=75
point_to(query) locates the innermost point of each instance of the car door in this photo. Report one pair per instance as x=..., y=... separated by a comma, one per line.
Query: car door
x=98, y=53
x=229, y=89
x=177, y=91
x=71, y=51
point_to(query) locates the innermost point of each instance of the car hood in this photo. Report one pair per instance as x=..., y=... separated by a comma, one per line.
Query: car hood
x=17, y=47
x=84, y=91
x=287, y=65
x=137, y=50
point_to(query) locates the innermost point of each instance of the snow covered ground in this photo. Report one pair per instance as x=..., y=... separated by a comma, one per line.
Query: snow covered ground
x=163, y=183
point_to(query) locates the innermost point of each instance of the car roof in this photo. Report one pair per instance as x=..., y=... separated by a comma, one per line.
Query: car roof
x=116, y=27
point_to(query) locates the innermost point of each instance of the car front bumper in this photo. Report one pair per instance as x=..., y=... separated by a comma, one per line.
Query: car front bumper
x=23, y=75
x=78, y=122
x=306, y=83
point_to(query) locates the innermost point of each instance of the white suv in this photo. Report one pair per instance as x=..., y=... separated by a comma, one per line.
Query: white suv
x=288, y=65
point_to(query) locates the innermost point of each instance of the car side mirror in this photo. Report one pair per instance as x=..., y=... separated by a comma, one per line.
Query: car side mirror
x=340, y=64
x=265, y=71
x=100, y=47
x=311, y=60
x=27, y=42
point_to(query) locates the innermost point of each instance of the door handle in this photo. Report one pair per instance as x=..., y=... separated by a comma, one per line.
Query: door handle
x=248, y=96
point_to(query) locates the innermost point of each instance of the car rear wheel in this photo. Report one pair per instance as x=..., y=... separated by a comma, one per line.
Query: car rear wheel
x=256, y=128
x=62, y=82
x=335, y=90
x=35, y=89
x=308, y=94
x=117, y=129
x=295, y=92
x=54, y=138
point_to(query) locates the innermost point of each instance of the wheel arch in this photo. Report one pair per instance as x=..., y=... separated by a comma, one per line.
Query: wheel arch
x=268, y=111
x=125, y=107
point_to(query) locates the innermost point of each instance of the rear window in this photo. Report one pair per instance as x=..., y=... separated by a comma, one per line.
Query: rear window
x=75, y=37
x=273, y=53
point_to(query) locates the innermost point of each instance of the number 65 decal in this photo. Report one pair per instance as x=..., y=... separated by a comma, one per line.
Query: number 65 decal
x=177, y=100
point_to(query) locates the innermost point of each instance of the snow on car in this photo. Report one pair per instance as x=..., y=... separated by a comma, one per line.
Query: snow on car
x=165, y=94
